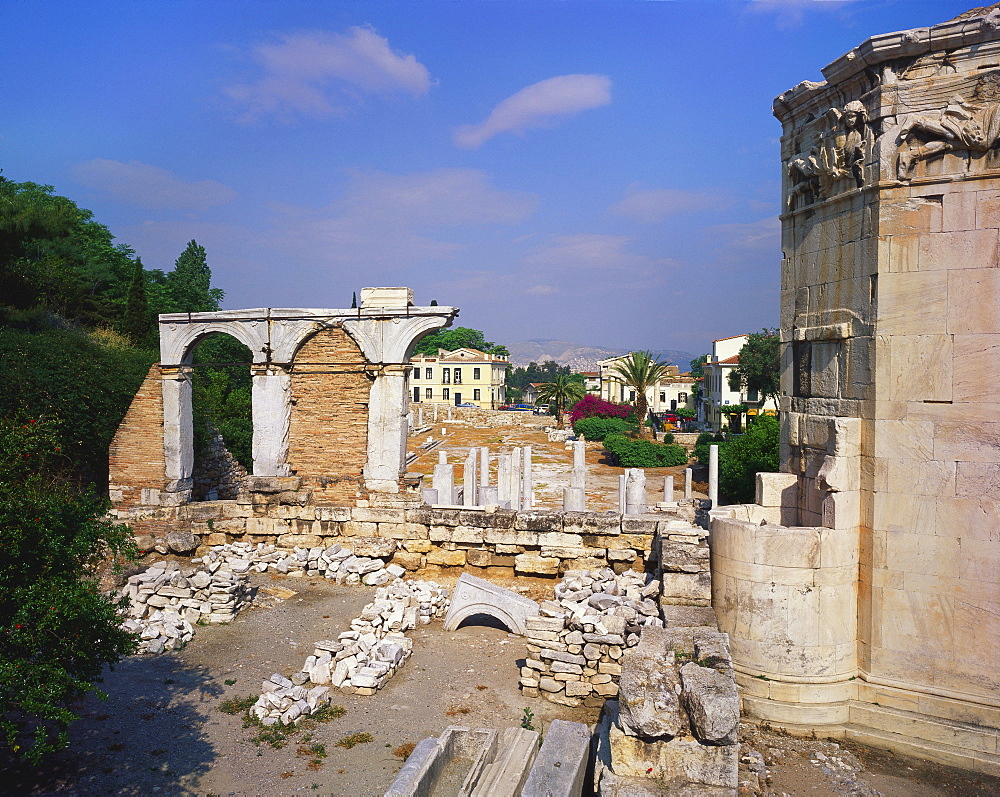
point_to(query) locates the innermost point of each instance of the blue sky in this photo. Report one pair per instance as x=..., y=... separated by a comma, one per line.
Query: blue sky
x=600, y=172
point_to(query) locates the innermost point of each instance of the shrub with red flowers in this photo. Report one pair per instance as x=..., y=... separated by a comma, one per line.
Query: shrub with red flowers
x=57, y=629
x=591, y=406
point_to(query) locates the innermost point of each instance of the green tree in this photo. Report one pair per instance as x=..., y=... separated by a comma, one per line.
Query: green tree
x=560, y=393
x=59, y=630
x=221, y=396
x=189, y=286
x=641, y=370
x=459, y=338
x=759, y=368
x=137, y=323
x=742, y=458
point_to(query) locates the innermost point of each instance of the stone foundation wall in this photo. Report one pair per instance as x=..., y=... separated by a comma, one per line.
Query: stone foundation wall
x=329, y=420
x=484, y=542
x=217, y=470
x=135, y=457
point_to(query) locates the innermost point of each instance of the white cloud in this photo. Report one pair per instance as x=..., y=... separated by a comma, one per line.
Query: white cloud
x=541, y=104
x=791, y=13
x=318, y=74
x=749, y=245
x=655, y=204
x=151, y=187
x=388, y=221
x=542, y=290
x=562, y=256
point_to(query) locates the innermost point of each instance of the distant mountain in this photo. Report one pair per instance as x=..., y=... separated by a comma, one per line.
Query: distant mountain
x=577, y=357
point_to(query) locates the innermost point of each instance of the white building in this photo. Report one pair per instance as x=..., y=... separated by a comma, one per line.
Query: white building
x=672, y=392
x=716, y=392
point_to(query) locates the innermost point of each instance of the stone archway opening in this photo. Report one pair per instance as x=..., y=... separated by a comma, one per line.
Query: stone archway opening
x=221, y=416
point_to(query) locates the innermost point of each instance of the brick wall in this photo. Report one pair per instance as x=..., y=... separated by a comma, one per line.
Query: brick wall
x=328, y=438
x=135, y=457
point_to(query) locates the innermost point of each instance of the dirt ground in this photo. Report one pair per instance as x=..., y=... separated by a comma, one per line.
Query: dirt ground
x=161, y=730
x=551, y=462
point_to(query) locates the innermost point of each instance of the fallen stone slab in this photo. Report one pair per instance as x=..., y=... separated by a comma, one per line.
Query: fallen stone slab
x=560, y=768
x=712, y=704
x=477, y=596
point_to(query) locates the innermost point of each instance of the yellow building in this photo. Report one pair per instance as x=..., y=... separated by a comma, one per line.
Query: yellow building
x=463, y=376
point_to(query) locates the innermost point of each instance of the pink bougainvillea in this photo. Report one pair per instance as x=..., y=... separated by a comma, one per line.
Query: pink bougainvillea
x=591, y=406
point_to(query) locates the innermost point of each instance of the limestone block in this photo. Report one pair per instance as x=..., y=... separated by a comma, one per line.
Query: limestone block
x=639, y=525
x=976, y=367
x=560, y=768
x=182, y=542
x=354, y=528
x=441, y=533
x=377, y=515
x=976, y=480
x=961, y=249
x=444, y=558
x=683, y=557
x=539, y=521
x=684, y=587
x=905, y=440
x=403, y=531
x=712, y=704
x=299, y=541
x=470, y=535
x=268, y=527
x=584, y=523
x=559, y=540
x=565, y=553
x=916, y=303
x=333, y=513
x=777, y=489
x=411, y=561
x=496, y=519
x=479, y=557
x=373, y=547
x=842, y=510
x=649, y=688
x=920, y=368
x=418, y=546
x=965, y=442
x=968, y=314
x=534, y=564
x=679, y=760
x=510, y=537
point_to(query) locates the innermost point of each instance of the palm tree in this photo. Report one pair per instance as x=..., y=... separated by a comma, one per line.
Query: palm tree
x=560, y=393
x=641, y=370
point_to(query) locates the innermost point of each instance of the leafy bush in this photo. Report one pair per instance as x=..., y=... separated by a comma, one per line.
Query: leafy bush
x=64, y=374
x=741, y=459
x=591, y=406
x=631, y=453
x=668, y=438
x=595, y=428
x=706, y=439
x=57, y=629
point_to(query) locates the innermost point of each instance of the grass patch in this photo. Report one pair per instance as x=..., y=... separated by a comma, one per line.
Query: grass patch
x=237, y=705
x=279, y=734
x=354, y=739
x=455, y=711
x=404, y=750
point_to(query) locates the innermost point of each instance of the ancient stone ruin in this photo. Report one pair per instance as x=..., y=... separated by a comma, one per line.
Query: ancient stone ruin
x=860, y=591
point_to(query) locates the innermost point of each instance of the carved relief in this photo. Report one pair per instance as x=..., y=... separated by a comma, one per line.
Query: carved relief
x=961, y=126
x=838, y=153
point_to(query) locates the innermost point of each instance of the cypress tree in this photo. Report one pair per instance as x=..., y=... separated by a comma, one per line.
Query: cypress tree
x=137, y=323
x=189, y=284
x=354, y=300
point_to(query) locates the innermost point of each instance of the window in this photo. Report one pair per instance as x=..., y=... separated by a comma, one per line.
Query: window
x=427, y=373
x=663, y=397
x=445, y=377
x=428, y=393
x=458, y=376
x=631, y=395
x=477, y=373
x=477, y=394
x=753, y=395
x=682, y=398
x=416, y=372
x=446, y=394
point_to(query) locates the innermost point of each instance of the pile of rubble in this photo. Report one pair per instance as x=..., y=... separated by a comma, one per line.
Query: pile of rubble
x=284, y=701
x=168, y=600
x=336, y=562
x=359, y=661
x=576, y=642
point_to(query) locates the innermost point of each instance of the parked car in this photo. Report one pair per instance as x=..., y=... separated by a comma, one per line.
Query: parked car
x=541, y=409
x=466, y=404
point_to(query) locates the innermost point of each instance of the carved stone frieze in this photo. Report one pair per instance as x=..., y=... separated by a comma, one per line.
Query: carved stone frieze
x=834, y=161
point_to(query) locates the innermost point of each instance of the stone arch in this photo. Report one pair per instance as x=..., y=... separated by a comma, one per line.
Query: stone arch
x=514, y=624
x=178, y=341
x=474, y=595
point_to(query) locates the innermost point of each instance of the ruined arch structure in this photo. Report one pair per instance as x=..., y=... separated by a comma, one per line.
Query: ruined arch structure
x=329, y=399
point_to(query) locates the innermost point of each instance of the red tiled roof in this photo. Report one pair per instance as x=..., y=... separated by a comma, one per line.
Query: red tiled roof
x=729, y=360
